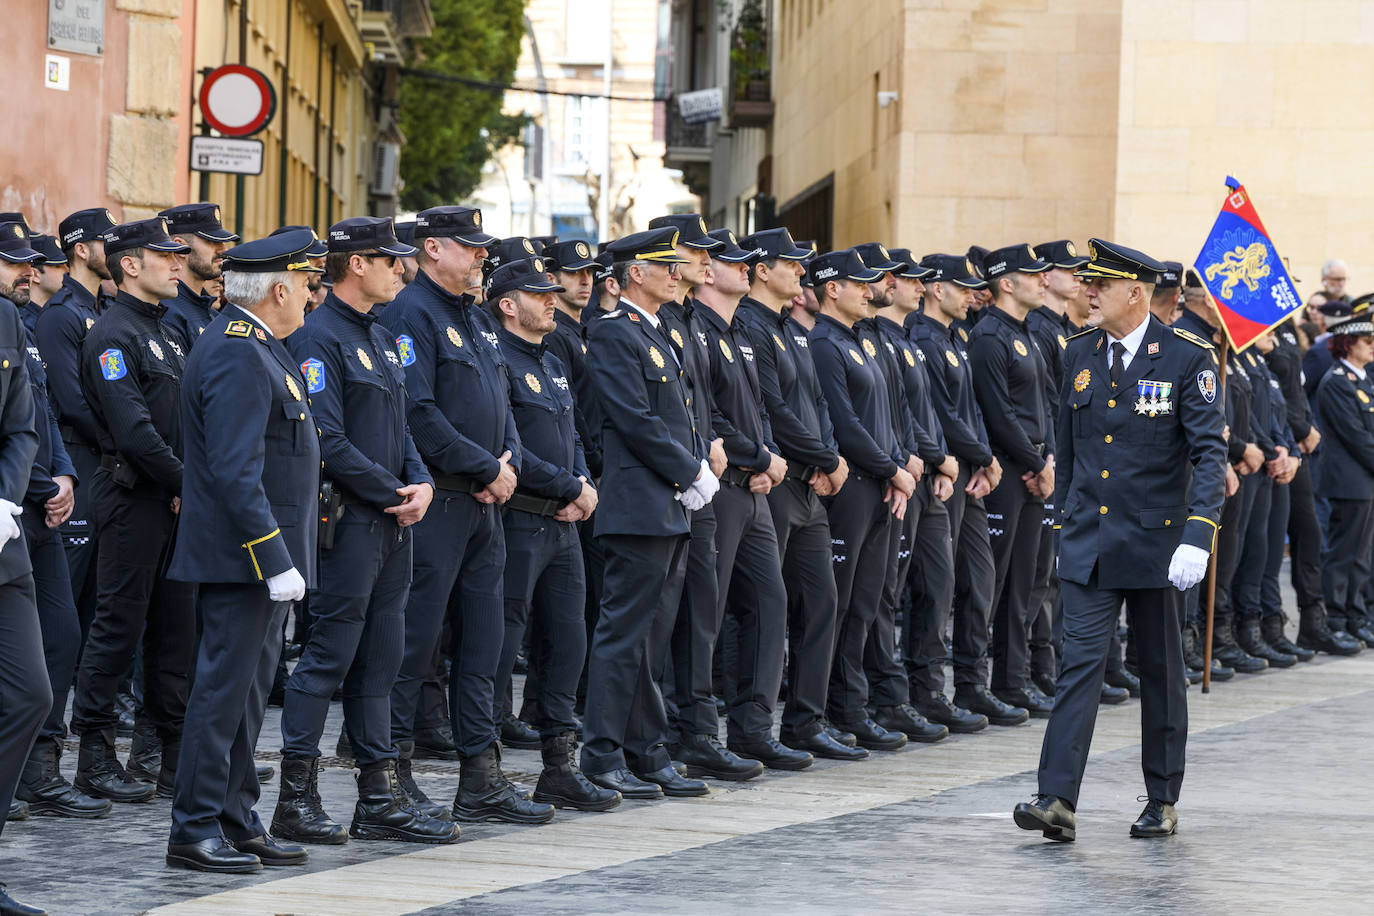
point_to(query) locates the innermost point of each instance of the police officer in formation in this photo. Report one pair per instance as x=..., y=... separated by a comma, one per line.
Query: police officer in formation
x=672, y=474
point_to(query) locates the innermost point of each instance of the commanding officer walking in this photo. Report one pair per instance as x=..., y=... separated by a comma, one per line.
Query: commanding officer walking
x=459, y=412
x=354, y=377
x=800, y=421
x=544, y=573
x=1010, y=377
x=656, y=472
x=196, y=226
x=1139, y=417
x=25, y=697
x=248, y=537
x=131, y=377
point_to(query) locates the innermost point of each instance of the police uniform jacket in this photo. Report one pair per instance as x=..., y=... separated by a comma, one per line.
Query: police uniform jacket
x=856, y=390
x=188, y=314
x=61, y=328
x=18, y=436
x=131, y=371
x=929, y=438
x=1345, y=409
x=541, y=401
x=1270, y=412
x=357, y=389
x=1051, y=332
x=1285, y=362
x=459, y=410
x=691, y=352
x=1009, y=376
x=951, y=391
x=51, y=459
x=1140, y=468
x=738, y=416
x=649, y=440
x=1316, y=362
x=29, y=313
x=903, y=426
x=569, y=343
x=252, y=459
x=1238, y=393
x=797, y=412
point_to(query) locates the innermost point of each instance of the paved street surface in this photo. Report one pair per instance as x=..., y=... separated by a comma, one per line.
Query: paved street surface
x=1273, y=802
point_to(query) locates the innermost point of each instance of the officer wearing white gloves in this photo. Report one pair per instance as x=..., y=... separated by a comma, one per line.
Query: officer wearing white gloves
x=248, y=537
x=1141, y=479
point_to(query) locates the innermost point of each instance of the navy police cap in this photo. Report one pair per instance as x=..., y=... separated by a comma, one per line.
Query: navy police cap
x=84, y=226
x=841, y=265
x=361, y=233
x=876, y=257
x=776, y=243
x=527, y=275
x=462, y=224
x=280, y=251
x=1060, y=254
x=202, y=219
x=318, y=249
x=142, y=233
x=46, y=245
x=14, y=244
x=691, y=230
x=910, y=268
x=1171, y=277
x=953, y=268
x=657, y=245
x=569, y=256
x=1111, y=261
x=14, y=216
x=515, y=248
x=1013, y=259
x=730, y=251
x=405, y=231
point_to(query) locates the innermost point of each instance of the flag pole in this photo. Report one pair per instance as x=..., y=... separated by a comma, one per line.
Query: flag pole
x=1212, y=560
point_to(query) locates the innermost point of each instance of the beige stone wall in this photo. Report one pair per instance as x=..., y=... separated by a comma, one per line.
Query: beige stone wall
x=1274, y=92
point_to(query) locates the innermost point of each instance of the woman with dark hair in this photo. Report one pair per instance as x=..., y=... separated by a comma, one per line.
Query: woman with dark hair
x=1345, y=475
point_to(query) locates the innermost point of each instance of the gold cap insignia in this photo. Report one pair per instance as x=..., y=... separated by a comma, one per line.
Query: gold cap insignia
x=528, y=246
x=582, y=250
x=1073, y=252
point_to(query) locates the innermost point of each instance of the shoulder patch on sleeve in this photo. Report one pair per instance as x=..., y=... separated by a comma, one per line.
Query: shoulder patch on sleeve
x=112, y=365
x=405, y=346
x=313, y=370
x=1193, y=338
x=238, y=328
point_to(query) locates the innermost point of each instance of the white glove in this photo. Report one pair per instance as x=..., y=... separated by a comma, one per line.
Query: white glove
x=706, y=483
x=691, y=498
x=9, y=528
x=1188, y=566
x=287, y=586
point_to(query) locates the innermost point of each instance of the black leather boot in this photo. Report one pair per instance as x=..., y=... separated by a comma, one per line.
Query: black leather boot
x=300, y=815
x=167, y=775
x=1314, y=632
x=1229, y=653
x=1252, y=641
x=562, y=784
x=518, y=734
x=485, y=794
x=435, y=743
x=1271, y=628
x=421, y=801
x=145, y=754
x=99, y=774
x=384, y=811
x=42, y=786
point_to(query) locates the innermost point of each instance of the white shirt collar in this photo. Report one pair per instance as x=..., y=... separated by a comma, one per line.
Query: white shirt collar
x=652, y=319
x=1359, y=372
x=1133, y=340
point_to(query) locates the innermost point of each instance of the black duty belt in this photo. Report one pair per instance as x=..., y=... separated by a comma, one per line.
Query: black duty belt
x=456, y=483
x=736, y=477
x=535, y=505
x=71, y=437
x=800, y=472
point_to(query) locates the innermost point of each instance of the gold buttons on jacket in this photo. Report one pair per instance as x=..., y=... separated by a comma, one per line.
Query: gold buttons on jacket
x=1101, y=510
x=1105, y=475
x=1107, y=438
x=1112, y=402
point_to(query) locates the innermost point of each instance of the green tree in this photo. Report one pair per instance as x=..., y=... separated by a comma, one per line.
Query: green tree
x=452, y=129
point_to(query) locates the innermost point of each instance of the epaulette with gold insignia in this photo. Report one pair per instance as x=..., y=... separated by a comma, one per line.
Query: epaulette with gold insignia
x=238, y=328
x=615, y=314
x=1193, y=338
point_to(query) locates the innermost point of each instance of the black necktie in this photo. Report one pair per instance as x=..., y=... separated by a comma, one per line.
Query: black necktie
x=1118, y=363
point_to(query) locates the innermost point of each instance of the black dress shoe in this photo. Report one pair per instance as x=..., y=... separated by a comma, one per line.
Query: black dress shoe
x=1325, y=639
x=1220, y=672
x=1049, y=814
x=977, y=698
x=674, y=784
x=1037, y=704
x=1158, y=819
x=11, y=907
x=822, y=745
x=773, y=754
x=1361, y=631
x=1192, y=675
x=1233, y=656
x=518, y=734
x=873, y=736
x=909, y=722
x=627, y=784
x=848, y=739
x=1120, y=677
x=937, y=708
x=704, y=755
x=1111, y=696
x=215, y=854
x=272, y=852
x=1045, y=683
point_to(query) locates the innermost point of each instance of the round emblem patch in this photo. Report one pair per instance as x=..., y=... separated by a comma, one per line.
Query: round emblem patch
x=854, y=355
x=778, y=340
x=157, y=350
x=533, y=382
x=528, y=246
x=582, y=250
x=656, y=356
x=951, y=358
x=454, y=337
x=677, y=338
x=725, y=350
x=1081, y=380
x=1020, y=348
x=364, y=359
x=871, y=350
x=292, y=387
x=1073, y=252
x=1207, y=384
x=910, y=360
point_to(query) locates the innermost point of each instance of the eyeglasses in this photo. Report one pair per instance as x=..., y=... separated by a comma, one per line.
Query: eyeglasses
x=377, y=255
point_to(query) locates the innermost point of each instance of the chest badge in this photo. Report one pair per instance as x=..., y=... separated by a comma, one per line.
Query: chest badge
x=778, y=340
x=910, y=360
x=951, y=358
x=1153, y=398
x=1152, y=349
x=1081, y=380
x=677, y=338
x=90, y=322
x=656, y=356
x=155, y=349
x=364, y=359
x=454, y=337
x=854, y=355
x=292, y=387
x=871, y=350
x=1359, y=393
x=533, y=383
x=725, y=351
x=1020, y=348
x=963, y=335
